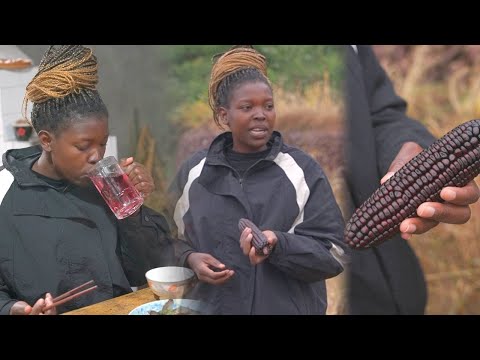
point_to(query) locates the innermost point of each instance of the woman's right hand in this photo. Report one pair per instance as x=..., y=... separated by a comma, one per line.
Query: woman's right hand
x=22, y=308
x=202, y=265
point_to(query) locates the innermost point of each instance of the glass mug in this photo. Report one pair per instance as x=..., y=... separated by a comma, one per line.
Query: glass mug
x=115, y=187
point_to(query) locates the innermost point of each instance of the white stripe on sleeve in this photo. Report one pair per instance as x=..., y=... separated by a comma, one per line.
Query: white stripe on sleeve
x=6, y=181
x=183, y=204
x=297, y=177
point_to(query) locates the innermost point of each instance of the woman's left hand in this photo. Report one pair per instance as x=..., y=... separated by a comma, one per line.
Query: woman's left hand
x=249, y=250
x=139, y=176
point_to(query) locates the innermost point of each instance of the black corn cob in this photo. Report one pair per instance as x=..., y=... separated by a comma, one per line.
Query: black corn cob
x=259, y=240
x=453, y=160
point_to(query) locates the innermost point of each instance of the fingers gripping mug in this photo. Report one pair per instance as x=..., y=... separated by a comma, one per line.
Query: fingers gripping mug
x=115, y=187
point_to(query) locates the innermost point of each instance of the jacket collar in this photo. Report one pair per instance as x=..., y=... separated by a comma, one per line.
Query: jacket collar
x=20, y=161
x=217, y=175
x=216, y=152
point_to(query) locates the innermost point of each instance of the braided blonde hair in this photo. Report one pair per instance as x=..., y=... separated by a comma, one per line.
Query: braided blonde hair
x=238, y=65
x=67, y=78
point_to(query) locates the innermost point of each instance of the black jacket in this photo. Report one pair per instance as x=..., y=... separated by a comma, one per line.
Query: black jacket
x=288, y=193
x=53, y=240
x=387, y=279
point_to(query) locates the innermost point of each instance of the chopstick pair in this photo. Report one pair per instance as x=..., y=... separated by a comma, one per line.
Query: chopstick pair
x=71, y=294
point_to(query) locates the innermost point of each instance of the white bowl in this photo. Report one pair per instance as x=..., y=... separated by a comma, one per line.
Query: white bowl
x=170, y=282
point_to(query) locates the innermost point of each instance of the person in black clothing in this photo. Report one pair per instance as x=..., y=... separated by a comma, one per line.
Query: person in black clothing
x=249, y=172
x=56, y=230
x=388, y=279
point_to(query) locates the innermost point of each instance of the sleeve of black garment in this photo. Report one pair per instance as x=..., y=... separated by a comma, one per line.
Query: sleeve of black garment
x=144, y=243
x=391, y=124
x=315, y=250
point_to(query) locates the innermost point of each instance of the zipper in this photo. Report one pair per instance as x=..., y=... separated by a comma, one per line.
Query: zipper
x=240, y=178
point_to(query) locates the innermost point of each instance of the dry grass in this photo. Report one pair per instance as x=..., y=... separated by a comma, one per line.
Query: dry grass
x=442, y=86
x=146, y=154
x=315, y=107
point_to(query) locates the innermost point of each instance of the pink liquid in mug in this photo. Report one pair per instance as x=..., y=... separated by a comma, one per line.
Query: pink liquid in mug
x=119, y=194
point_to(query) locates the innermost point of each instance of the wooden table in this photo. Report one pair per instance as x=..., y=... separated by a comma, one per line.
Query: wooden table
x=120, y=305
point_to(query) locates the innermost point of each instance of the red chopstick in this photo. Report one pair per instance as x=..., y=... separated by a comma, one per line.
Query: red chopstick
x=70, y=295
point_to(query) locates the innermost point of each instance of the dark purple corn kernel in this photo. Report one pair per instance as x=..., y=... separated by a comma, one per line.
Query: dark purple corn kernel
x=259, y=240
x=453, y=160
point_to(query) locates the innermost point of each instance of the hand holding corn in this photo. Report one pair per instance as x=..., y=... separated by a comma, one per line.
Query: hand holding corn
x=436, y=185
x=255, y=244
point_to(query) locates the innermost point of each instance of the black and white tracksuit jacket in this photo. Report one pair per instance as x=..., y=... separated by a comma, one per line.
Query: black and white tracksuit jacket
x=286, y=192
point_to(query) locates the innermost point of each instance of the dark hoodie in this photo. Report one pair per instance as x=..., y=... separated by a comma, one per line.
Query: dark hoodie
x=56, y=236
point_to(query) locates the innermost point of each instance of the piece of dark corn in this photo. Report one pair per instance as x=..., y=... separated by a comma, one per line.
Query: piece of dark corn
x=453, y=160
x=259, y=240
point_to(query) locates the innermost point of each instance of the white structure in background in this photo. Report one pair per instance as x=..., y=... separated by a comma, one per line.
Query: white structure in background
x=12, y=90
